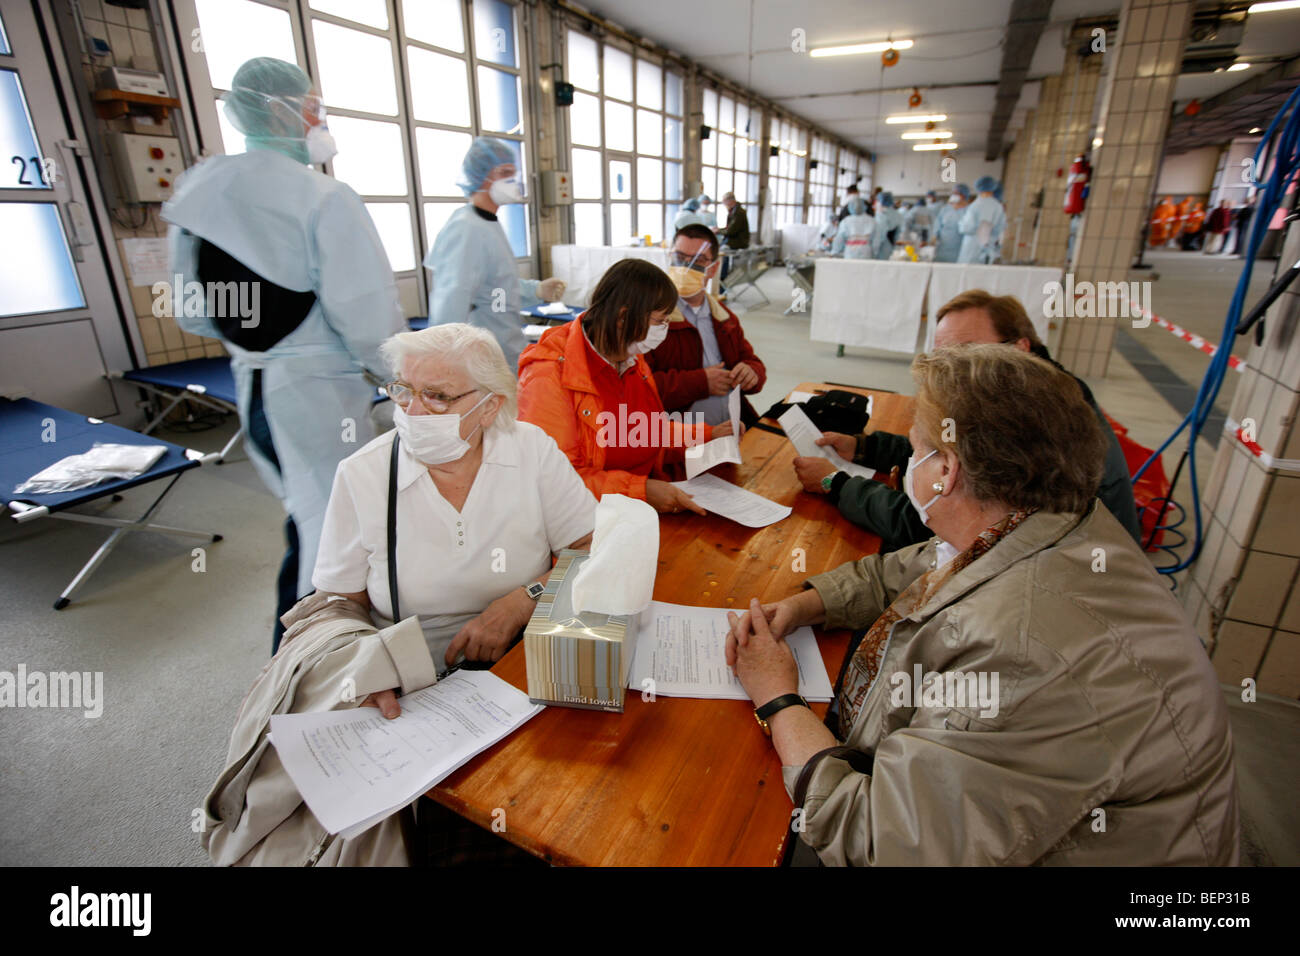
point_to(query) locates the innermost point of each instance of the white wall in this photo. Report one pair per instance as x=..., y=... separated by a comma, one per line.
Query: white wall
x=1188, y=174
x=912, y=173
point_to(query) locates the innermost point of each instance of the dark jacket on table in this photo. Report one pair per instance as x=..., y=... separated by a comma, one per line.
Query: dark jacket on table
x=735, y=234
x=879, y=508
x=678, y=362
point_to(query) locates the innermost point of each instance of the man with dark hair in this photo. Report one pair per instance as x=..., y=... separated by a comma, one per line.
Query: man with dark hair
x=705, y=354
x=850, y=194
x=975, y=316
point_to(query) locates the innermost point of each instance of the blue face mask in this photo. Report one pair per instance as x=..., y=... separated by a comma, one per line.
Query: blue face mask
x=921, y=509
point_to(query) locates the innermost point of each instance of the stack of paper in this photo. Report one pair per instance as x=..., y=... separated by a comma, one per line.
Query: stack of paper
x=700, y=458
x=682, y=653
x=804, y=434
x=355, y=767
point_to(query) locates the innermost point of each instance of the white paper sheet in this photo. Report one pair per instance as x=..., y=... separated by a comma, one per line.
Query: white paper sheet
x=554, y=308
x=804, y=434
x=147, y=261
x=731, y=501
x=355, y=767
x=796, y=397
x=720, y=451
x=534, y=332
x=683, y=650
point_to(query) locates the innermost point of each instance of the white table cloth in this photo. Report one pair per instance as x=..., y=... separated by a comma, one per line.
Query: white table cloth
x=868, y=303
x=1029, y=284
x=580, y=267
x=798, y=238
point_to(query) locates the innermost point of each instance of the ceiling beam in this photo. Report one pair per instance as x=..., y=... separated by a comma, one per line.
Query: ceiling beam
x=1025, y=26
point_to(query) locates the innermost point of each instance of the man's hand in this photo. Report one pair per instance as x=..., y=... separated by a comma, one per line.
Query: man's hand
x=811, y=471
x=762, y=661
x=844, y=445
x=486, y=637
x=719, y=379
x=551, y=290
x=744, y=376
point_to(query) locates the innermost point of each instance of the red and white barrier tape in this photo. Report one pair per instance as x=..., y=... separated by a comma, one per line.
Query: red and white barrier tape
x=1282, y=464
x=1209, y=348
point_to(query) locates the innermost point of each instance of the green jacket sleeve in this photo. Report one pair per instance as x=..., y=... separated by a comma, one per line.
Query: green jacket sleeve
x=880, y=509
x=882, y=451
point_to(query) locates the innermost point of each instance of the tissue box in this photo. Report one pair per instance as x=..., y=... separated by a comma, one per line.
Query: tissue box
x=576, y=660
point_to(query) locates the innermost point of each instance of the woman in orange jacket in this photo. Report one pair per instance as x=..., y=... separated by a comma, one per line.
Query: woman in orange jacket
x=588, y=385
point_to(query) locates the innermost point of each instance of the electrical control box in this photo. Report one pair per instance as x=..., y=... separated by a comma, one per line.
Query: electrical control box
x=146, y=165
x=147, y=82
x=557, y=187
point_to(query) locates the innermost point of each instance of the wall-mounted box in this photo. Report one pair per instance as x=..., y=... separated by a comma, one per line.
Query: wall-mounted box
x=557, y=187
x=147, y=165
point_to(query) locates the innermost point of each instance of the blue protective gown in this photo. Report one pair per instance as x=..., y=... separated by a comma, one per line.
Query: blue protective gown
x=887, y=219
x=304, y=231
x=475, y=280
x=859, y=237
x=987, y=211
x=947, y=233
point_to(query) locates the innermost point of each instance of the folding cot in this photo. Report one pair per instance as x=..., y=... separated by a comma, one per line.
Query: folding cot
x=207, y=381
x=34, y=435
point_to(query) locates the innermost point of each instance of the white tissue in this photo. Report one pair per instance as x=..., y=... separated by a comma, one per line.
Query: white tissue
x=619, y=577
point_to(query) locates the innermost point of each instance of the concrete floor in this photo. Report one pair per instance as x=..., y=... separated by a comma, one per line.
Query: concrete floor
x=179, y=648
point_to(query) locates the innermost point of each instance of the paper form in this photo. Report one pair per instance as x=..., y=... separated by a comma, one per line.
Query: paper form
x=804, y=434
x=683, y=651
x=731, y=501
x=355, y=767
x=700, y=458
x=797, y=397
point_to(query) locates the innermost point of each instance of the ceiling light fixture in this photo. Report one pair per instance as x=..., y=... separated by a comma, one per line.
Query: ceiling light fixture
x=1254, y=130
x=1274, y=6
x=928, y=134
x=922, y=146
x=853, y=49
x=1238, y=67
x=924, y=118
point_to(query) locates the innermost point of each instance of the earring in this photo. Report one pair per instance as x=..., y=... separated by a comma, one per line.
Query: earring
x=937, y=486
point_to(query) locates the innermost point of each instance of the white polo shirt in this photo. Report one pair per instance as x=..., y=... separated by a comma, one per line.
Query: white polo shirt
x=526, y=502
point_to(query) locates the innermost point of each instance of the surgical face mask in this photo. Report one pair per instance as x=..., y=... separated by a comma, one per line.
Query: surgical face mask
x=506, y=191
x=689, y=275
x=653, y=339
x=434, y=439
x=320, y=145
x=908, y=488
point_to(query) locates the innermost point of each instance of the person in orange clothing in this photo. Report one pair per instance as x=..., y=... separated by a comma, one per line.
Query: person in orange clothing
x=1181, y=214
x=588, y=385
x=1192, y=236
x=1162, y=221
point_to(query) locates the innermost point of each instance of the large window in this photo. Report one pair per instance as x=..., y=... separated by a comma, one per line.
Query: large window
x=786, y=171
x=729, y=157
x=625, y=133
x=823, y=180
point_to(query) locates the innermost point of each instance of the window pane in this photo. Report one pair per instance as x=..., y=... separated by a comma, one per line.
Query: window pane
x=673, y=93
x=673, y=138
x=670, y=218
x=649, y=179
x=620, y=224
x=587, y=179
x=439, y=87
x=441, y=153
x=724, y=184
x=436, y=215
x=435, y=21
x=373, y=13
x=356, y=69
x=494, y=32
x=588, y=224
x=709, y=148
x=498, y=101
x=514, y=219
x=727, y=113
x=620, y=179
x=711, y=107
x=371, y=159
x=618, y=74
x=649, y=133
x=234, y=31
x=742, y=120
x=726, y=149
x=710, y=178
x=4, y=40
x=393, y=222
x=583, y=69
x=742, y=153
x=673, y=180
x=36, y=270
x=650, y=220
x=584, y=120
x=21, y=153
x=649, y=85
x=618, y=126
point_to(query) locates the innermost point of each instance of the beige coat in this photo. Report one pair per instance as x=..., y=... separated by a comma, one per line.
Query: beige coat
x=1106, y=701
x=331, y=658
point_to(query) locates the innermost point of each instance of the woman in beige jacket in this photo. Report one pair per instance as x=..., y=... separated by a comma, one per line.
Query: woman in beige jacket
x=1028, y=689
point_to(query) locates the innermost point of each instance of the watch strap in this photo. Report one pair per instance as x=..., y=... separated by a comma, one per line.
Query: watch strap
x=778, y=704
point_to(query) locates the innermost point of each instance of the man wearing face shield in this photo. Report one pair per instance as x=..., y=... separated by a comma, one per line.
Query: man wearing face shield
x=474, y=275
x=305, y=251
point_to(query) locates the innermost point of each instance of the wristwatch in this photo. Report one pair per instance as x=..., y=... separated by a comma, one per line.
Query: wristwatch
x=828, y=480
x=534, y=590
x=764, y=714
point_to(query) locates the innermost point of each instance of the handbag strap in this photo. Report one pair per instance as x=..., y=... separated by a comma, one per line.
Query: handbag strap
x=392, y=529
x=856, y=759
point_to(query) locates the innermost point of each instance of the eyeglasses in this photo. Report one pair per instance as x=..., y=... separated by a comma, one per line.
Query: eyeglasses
x=695, y=262
x=437, y=402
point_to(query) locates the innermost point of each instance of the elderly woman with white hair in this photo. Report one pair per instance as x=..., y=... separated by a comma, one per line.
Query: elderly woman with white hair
x=482, y=501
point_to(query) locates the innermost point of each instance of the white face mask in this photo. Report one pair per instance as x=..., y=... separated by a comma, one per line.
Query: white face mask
x=320, y=145
x=921, y=509
x=506, y=191
x=434, y=439
x=653, y=339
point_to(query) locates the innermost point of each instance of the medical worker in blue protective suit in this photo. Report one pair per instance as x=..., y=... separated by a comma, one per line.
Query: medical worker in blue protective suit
x=693, y=213
x=474, y=275
x=888, y=219
x=859, y=235
x=305, y=251
x=982, y=225
x=947, y=224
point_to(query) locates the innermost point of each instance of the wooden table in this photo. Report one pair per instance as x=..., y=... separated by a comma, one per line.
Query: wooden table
x=676, y=781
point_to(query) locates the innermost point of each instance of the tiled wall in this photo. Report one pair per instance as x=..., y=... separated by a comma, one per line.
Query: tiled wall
x=1242, y=592
x=129, y=34
x=1016, y=195
x=1144, y=66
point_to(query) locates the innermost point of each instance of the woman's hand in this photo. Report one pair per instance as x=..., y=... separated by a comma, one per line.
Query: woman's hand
x=811, y=471
x=744, y=376
x=723, y=430
x=667, y=499
x=763, y=662
x=386, y=701
x=488, y=636
x=844, y=445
